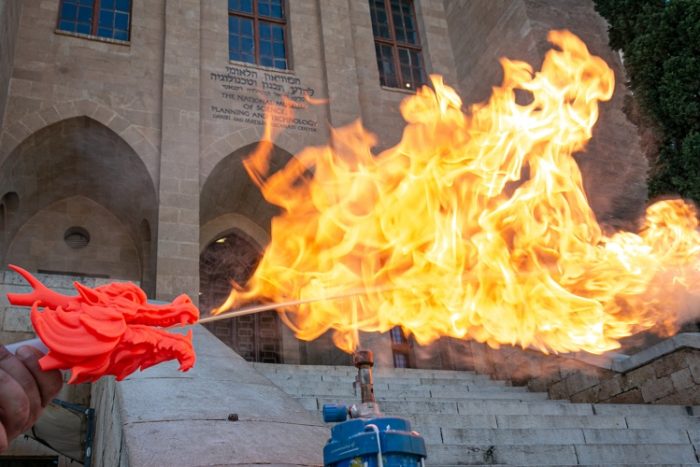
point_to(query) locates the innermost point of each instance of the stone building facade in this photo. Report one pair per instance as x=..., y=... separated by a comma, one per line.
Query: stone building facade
x=121, y=159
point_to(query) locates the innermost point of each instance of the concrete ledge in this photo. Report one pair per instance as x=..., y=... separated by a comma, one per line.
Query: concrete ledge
x=624, y=363
x=164, y=417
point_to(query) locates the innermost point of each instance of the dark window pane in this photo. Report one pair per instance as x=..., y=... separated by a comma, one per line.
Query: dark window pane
x=84, y=28
x=277, y=33
x=263, y=8
x=265, y=48
x=385, y=63
x=121, y=35
x=85, y=14
x=265, y=31
x=247, y=46
x=276, y=9
x=66, y=26
x=281, y=63
x=89, y=3
x=123, y=5
x=400, y=360
x=244, y=6
x=104, y=32
x=278, y=50
x=106, y=19
x=69, y=11
x=380, y=22
x=266, y=61
x=106, y=4
x=121, y=21
x=241, y=46
x=247, y=28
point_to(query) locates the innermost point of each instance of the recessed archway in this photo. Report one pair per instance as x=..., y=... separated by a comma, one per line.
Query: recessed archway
x=78, y=158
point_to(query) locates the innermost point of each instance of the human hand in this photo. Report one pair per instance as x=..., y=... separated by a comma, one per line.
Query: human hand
x=24, y=391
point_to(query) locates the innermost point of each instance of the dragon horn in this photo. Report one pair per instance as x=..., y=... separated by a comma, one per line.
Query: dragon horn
x=41, y=294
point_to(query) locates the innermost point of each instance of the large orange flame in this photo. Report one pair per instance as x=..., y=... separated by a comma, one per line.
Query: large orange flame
x=473, y=226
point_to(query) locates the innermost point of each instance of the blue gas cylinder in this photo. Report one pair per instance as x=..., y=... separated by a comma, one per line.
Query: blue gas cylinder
x=358, y=443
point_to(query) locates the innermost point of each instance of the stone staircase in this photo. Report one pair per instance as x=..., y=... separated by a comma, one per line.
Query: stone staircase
x=469, y=419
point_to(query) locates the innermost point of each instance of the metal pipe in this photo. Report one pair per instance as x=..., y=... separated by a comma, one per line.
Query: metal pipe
x=364, y=361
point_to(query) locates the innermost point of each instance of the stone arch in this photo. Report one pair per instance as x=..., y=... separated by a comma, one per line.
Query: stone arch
x=227, y=223
x=13, y=135
x=234, y=230
x=79, y=157
x=222, y=148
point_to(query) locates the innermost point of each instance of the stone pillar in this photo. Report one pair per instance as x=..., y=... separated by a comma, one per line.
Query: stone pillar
x=10, y=12
x=340, y=66
x=178, y=215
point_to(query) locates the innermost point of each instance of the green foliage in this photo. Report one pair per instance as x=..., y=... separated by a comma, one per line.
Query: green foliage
x=660, y=40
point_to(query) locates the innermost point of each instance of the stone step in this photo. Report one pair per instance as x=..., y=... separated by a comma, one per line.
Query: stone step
x=266, y=368
x=458, y=385
x=404, y=380
x=545, y=436
x=552, y=454
x=414, y=394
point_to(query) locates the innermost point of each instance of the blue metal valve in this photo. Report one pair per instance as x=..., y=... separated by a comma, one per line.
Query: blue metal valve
x=361, y=442
x=333, y=413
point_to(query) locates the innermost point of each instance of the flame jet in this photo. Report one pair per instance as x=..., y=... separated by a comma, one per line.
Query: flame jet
x=474, y=225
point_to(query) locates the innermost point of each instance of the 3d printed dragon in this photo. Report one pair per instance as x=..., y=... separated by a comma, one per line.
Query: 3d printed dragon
x=108, y=330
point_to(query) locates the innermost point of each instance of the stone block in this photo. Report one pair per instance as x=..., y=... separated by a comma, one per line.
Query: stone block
x=16, y=319
x=657, y=388
x=671, y=363
x=636, y=378
x=682, y=379
x=610, y=387
x=587, y=395
x=633, y=396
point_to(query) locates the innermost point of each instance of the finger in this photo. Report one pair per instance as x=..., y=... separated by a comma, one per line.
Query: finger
x=14, y=366
x=49, y=382
x=14, y=406
x=3, y=439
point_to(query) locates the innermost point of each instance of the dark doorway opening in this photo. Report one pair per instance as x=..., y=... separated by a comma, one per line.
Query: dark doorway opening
x=233, y=258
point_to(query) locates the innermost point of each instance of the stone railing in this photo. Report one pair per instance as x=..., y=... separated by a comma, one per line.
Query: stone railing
x=665, y=373
x=222, y=412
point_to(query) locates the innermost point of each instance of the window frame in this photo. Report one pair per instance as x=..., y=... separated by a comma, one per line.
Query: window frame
x=395, y=45
x=402, y=346
x=255, y=16
x=94, y=25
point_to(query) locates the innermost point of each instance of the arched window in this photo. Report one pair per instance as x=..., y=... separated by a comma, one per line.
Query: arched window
x=233, y=257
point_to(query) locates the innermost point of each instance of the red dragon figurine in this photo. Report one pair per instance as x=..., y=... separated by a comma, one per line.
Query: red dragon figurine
x=107, y=330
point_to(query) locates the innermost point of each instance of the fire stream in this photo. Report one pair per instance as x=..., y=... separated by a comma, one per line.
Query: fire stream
x=474, y=226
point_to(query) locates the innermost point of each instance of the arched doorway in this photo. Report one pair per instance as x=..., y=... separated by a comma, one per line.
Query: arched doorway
x=233, y=258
